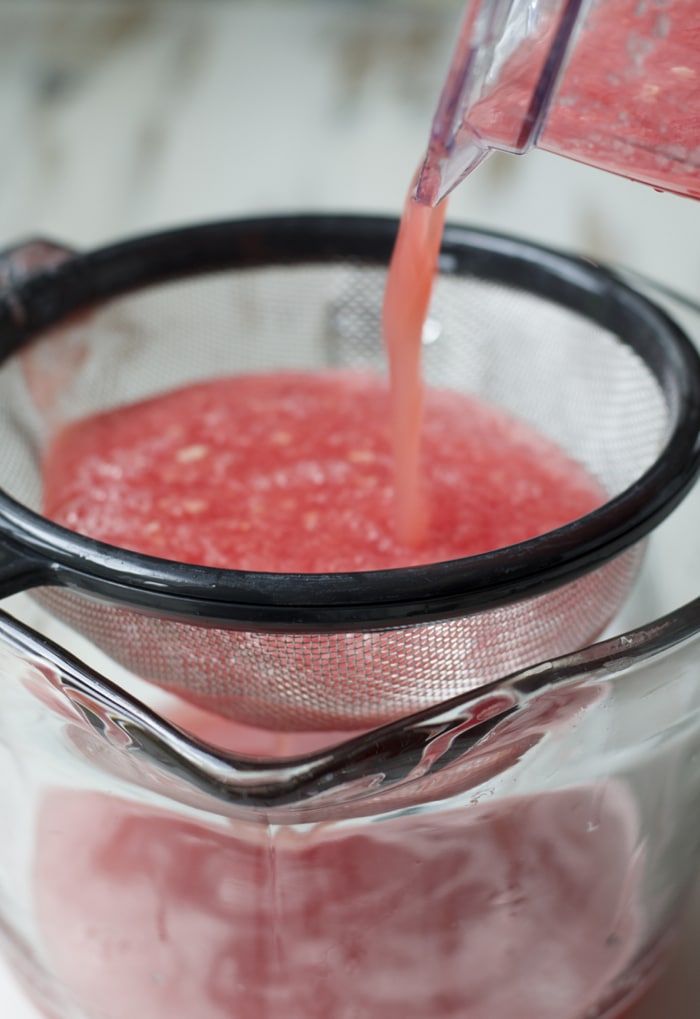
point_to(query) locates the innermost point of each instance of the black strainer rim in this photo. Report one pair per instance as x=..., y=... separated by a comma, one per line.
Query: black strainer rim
x=34, y=551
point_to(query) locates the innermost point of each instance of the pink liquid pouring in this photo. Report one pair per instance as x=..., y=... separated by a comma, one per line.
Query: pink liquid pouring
x=406, y=301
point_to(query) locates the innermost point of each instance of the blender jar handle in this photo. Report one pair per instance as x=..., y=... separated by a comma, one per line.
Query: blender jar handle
x=503, y=74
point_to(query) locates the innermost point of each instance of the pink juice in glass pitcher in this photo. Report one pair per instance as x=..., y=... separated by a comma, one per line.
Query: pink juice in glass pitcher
x=524, y=907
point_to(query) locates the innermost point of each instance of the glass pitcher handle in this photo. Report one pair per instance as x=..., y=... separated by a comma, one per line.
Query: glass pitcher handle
x=503, y=74
x=19, y=571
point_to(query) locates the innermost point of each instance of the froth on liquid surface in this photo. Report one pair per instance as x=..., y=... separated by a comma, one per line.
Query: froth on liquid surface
x=294, y=472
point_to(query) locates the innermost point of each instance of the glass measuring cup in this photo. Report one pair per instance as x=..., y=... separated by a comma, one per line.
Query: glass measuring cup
x=611, y=83
x=523, y=849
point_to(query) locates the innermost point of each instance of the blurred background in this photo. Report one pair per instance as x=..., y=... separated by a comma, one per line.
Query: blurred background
x=119, y=116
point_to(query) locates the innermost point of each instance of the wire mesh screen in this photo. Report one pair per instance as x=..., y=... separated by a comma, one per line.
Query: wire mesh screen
x=574, y=381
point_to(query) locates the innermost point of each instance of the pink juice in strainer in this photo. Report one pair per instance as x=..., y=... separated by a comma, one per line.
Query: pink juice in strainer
x=308, y=472
x=290, y=472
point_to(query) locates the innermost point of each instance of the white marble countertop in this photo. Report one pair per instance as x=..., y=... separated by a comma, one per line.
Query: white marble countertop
x=125, y=116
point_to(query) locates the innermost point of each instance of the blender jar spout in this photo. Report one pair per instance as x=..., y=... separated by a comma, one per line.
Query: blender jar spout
x=446, y=166
x=503, y=74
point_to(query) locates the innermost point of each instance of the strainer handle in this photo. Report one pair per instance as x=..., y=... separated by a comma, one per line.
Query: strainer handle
x=19, y=571
x=19, y=263
x=27, y=258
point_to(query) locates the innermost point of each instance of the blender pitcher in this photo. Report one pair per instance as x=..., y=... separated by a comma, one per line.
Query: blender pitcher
x=611, y=83
x=519, y=846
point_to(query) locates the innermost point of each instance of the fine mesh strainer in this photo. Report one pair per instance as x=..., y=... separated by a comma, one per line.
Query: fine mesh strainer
x=557, y=341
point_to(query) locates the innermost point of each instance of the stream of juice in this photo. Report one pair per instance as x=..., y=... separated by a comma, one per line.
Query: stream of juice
x=406, y=300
